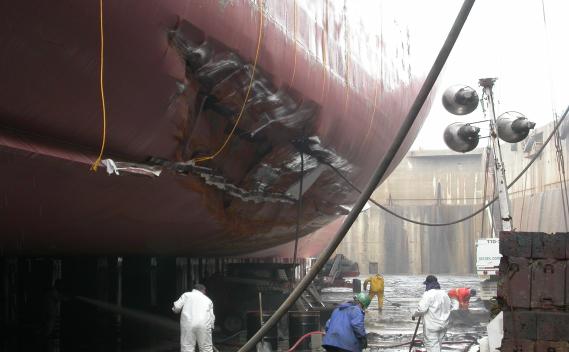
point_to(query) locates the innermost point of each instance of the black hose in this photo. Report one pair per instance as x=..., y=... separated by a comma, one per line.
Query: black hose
x=467, y=348
x=534, y=158
x=375, y=179
x=389, y=211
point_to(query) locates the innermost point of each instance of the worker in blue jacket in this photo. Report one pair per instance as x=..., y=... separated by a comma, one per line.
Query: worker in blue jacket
x=345, y=330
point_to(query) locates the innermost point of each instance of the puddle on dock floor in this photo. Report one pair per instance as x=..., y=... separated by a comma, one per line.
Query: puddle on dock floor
x=402, y=294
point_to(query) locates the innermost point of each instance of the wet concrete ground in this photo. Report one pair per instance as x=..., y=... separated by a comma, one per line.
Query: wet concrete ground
x=394, y=326
x=390, y=327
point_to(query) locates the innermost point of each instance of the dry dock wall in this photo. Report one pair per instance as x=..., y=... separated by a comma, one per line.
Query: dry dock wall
x=441, y=186
x=428, y=186
x=400, y=247
x=537, y=205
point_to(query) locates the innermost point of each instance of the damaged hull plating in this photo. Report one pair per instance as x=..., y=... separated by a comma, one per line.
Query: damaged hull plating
x=176, y=77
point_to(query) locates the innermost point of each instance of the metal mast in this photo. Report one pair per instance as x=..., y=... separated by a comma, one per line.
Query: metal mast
x=487, y=84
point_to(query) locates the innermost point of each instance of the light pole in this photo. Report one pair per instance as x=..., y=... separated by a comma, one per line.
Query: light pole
x=511, y=127
x=503, y=198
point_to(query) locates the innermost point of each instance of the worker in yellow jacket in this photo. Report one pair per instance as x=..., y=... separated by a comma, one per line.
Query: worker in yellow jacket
x=376, y=288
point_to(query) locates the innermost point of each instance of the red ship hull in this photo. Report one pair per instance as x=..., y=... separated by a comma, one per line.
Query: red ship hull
x=176, y=73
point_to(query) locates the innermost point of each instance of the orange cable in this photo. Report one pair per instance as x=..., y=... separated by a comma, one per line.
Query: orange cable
x=372, y=112
x=248, y=89
x=294, y=39
x=96, y=163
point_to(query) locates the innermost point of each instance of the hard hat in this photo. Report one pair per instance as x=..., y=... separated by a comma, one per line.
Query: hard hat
x=363, y=298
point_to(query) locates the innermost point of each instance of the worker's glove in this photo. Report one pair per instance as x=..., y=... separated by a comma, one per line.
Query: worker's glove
x=363, y=342
x=413, y=317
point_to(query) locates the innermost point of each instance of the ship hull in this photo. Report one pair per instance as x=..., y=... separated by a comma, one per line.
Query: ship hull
x=176, y=77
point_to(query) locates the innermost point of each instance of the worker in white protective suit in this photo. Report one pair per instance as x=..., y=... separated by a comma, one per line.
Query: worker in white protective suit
x=196, y=320
x=434, y=307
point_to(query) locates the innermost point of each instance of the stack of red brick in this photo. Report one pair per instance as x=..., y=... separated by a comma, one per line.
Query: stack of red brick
x=534, y=288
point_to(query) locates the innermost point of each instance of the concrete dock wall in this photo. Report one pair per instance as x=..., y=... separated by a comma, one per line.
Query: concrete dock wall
x=442, y=186
x=431, y=187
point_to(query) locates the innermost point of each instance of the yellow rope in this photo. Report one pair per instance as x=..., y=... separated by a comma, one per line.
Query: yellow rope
x=197, y=160
x=95, y=164
x=324, y=50
x=294, y=39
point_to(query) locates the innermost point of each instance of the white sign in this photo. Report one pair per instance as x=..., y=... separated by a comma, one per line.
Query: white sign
x=487, y=253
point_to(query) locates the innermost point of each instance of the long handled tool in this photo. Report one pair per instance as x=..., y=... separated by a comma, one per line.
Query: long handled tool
x=392, y=303
x=415, y=334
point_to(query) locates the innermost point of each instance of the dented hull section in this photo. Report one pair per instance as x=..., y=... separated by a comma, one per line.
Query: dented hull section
x=212, y=116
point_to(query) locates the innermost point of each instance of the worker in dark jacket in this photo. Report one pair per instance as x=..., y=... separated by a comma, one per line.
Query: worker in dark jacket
x=345, y=330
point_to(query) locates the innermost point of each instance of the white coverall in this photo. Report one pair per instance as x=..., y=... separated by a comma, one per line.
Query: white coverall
x=196, y=321
x=434, y=307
